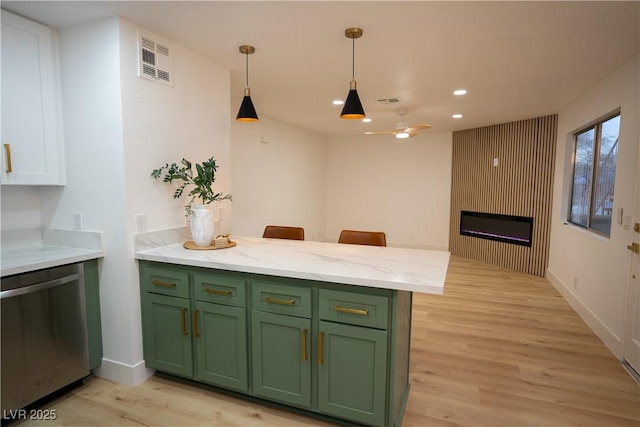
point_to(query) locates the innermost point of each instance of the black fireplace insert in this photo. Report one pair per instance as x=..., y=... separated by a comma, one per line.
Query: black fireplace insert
x=503, y=228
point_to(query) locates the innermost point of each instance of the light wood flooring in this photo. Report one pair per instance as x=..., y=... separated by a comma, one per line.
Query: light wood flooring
x=500, y=348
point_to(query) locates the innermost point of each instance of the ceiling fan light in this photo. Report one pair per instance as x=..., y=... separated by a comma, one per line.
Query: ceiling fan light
x=402, y=135
x=352, y=106
x=247, y=112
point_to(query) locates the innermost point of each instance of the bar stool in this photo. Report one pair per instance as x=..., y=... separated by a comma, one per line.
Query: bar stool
x=283, y=232
x=354, y=237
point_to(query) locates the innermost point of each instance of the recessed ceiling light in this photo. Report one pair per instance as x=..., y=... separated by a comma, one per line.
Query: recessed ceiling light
x=338, y=102
x=460, y=92
x=366, y=120
x=457, y=116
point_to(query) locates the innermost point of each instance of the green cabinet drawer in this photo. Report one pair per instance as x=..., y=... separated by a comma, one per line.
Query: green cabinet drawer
x=354, y=308
x=220, y=289
x=281, y=299
x=164, y=281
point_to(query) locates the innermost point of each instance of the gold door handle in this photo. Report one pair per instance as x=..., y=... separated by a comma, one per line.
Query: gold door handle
x=636, y=227
x=163, y=284
x=363, y=312
x=320, y=342
x=634, y=247
x=304, y=345
x=184, y=322
x=217, y=292
x=196, y=333
x=279, y=301
x=7, y=150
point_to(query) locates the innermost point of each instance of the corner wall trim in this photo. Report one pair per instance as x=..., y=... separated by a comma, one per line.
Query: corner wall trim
x=129, y=375
x=613, y=342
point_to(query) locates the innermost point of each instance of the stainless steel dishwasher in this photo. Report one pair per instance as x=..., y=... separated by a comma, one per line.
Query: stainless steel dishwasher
x=44, y=334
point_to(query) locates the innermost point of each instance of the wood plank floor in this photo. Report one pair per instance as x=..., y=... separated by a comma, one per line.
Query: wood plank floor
x=500, y=348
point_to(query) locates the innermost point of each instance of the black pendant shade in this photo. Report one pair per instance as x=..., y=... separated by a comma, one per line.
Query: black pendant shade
x=352, y=106
x=247, y=112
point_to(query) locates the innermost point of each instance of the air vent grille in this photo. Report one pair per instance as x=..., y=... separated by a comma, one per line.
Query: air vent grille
x=154, y=60
x=388, y=100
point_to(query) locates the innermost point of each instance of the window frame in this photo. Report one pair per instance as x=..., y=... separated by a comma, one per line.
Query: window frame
x=596, y=125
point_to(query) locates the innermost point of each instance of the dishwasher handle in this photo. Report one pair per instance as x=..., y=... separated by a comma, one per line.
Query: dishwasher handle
x=40, y=286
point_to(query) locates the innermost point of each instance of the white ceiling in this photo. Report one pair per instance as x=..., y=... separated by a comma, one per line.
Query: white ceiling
x=517, y=59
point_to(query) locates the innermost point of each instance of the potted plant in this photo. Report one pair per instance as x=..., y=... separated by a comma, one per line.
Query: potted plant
x=202, y=227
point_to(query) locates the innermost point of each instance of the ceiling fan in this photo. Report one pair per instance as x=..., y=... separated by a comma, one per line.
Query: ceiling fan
x=402, y=130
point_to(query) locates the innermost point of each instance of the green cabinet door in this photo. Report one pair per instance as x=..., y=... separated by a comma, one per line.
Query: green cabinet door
x=220, y=335
x=280, y=358
x=92, y=300
x=167, y=334
x=352, y=378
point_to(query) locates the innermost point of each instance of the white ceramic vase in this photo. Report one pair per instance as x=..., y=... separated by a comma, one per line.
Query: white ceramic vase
x=202, y=225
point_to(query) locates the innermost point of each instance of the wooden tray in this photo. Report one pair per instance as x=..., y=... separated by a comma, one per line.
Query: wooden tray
x=190, y=245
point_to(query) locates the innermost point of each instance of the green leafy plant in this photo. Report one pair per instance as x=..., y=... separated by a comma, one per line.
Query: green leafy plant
x=202, y=181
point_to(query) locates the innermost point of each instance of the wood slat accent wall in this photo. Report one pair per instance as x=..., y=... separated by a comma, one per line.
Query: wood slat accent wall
x=521, y=185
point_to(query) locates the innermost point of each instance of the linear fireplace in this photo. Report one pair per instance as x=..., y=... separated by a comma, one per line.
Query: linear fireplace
x=503, y=228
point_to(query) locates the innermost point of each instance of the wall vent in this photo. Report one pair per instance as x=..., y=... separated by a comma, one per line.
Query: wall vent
x=154, y=60
x=388, y=100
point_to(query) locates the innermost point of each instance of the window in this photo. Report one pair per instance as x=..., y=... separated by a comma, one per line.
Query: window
x=594, y=172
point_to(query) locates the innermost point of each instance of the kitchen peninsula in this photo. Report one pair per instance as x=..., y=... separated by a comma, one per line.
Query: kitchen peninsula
x=322, y=327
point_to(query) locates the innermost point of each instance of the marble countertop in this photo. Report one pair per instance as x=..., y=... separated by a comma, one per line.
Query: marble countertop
x=28, y=250
x=23, y=260
x=412, y=270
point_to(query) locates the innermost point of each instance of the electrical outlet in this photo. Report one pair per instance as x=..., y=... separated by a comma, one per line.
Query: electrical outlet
x=141, y=223
x=77, y=221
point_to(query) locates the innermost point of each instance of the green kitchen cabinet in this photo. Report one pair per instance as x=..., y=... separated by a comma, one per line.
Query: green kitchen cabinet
x=167, y=337
x=220, y=335
x=280, y=358
x=92, y=305
x=352, y=372
x=328, y=348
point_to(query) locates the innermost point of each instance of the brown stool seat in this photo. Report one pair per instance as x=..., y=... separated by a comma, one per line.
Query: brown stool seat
x=354, y=237
x=283, y=232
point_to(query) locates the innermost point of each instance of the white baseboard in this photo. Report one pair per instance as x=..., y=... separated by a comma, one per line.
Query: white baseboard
x=129, y=375
x=613, y=342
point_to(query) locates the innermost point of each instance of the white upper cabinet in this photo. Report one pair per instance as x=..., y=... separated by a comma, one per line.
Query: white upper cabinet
x=32, y=145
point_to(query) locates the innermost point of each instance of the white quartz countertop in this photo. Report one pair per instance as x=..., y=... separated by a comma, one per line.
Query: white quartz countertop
x=414, y=270
x=23, y=260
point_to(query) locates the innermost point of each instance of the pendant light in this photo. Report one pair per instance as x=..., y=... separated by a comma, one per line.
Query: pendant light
x=247, y=112
x=352, y=107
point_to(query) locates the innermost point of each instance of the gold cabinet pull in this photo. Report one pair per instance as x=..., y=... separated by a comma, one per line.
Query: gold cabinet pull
x=363, y=312
x=196, y=333
x=163, y=284
x=211, y=291
x=305, y=356
x=7, y=150
x=320, y=342
x=634, y=247
x=184, y=322
x=279, y=301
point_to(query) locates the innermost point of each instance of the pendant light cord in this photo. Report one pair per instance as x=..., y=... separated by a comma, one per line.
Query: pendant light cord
x=246, y=68
x=353, y=59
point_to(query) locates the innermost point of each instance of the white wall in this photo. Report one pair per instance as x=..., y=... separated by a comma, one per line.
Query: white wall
x=599, y=265
x=118, y=128
x=278, y=174
x=403, y=188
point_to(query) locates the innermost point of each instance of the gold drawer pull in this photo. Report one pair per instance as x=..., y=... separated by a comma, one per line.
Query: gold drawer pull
x=7, y=150
x=305, y=356
x=184, y=322
x=218, y=292
x=320, y=343
x=339, y=309
x=163, y=284
x=279, y=301
x=196, y=333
